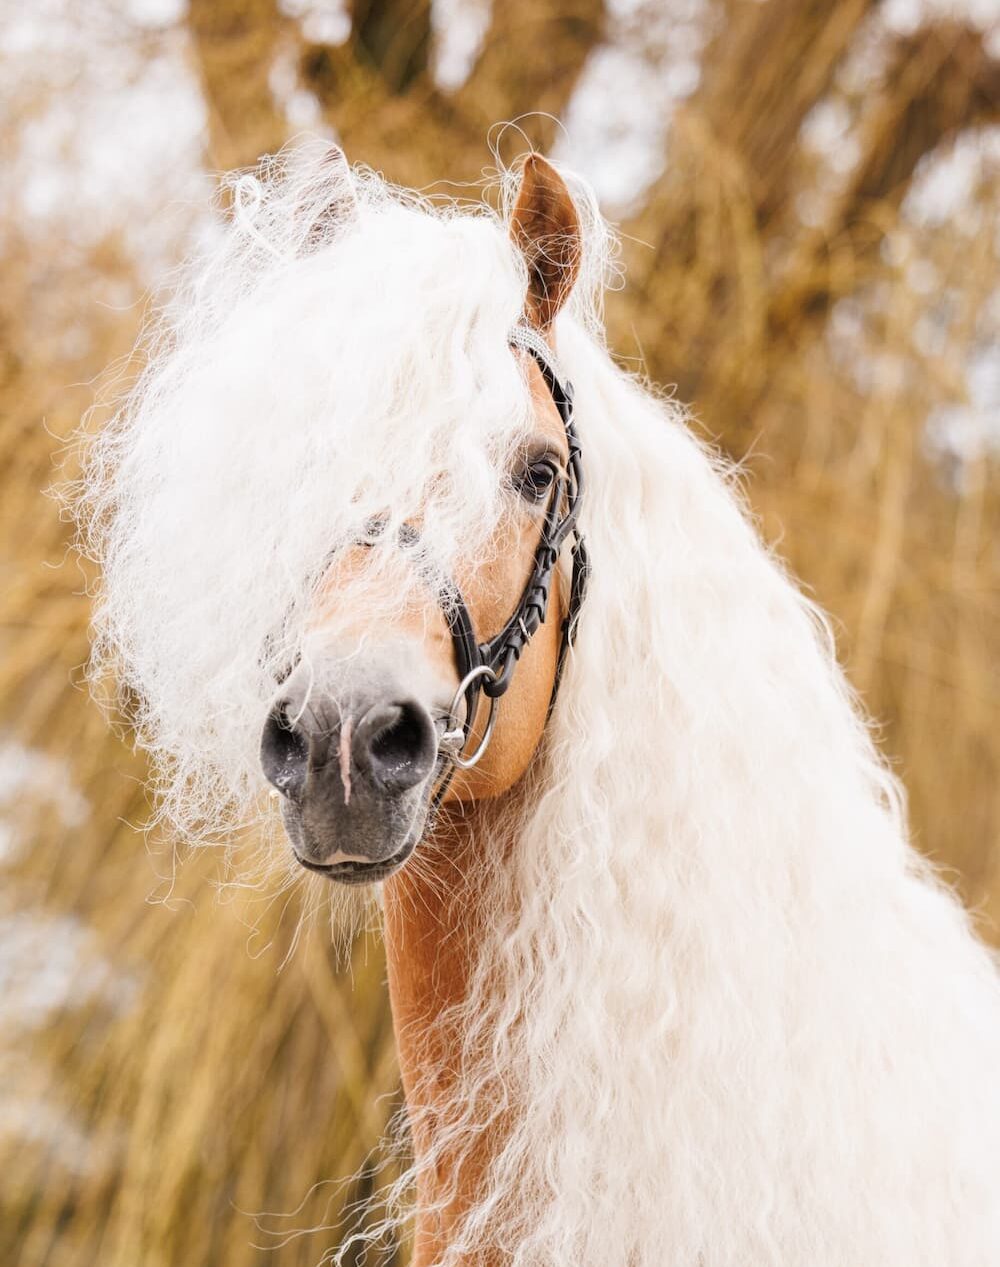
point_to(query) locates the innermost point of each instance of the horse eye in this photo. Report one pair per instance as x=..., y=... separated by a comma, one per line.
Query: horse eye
x=534, y=482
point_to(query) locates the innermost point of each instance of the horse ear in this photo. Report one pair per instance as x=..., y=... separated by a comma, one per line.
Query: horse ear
x=546, y=229
x=334, y=204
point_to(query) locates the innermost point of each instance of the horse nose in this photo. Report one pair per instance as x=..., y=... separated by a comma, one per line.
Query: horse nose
x=392, y=747
x=396, y=744
x=284, y=752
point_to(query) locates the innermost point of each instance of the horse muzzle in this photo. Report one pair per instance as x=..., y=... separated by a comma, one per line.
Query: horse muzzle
x=354, y=768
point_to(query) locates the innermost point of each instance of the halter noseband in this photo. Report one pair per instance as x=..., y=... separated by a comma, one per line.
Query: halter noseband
x=488, y=667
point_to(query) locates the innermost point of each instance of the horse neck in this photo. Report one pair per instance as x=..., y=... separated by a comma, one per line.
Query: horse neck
x=434, y=918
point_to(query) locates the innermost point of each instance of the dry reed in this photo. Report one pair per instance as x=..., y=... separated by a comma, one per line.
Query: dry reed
x=177, y=1082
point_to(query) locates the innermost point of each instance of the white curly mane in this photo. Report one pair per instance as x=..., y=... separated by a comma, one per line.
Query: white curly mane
x=725, y=1011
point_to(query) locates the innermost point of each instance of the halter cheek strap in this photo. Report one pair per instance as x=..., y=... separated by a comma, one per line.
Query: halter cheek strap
x=488, y=667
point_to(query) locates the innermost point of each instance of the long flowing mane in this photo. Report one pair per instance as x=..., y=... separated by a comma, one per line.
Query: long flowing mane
x=721, y=994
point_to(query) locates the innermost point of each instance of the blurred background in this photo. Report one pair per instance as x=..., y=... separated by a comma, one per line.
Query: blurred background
x=808, y=193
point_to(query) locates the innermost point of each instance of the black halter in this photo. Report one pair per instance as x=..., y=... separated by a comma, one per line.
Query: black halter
x=488, y=667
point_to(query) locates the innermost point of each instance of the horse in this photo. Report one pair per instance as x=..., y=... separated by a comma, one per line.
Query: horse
x=395, y=553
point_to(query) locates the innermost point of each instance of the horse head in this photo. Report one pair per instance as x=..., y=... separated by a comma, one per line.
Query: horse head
x=364, y=737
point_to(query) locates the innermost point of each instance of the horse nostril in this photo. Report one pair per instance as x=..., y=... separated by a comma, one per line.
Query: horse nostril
x=284, y=752
x=397, y=743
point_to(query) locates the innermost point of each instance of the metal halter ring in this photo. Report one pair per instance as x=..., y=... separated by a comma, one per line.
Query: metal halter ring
x=457, y=732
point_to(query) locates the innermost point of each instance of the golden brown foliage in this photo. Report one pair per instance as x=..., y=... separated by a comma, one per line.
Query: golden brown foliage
x=184, y=1081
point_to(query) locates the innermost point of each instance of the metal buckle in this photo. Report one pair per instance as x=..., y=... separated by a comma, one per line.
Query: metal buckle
x=455, y=734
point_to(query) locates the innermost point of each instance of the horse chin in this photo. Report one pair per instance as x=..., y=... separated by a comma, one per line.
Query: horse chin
x=357, y=872
x=355, y=849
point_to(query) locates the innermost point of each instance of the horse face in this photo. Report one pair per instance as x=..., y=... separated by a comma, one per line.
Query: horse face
x=352, y=741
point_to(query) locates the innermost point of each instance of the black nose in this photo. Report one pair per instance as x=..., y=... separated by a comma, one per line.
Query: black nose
x=396, y=743
x=284, y=752
x=391, y=747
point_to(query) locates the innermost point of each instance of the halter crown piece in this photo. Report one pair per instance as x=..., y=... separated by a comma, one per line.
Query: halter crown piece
x=488, y=667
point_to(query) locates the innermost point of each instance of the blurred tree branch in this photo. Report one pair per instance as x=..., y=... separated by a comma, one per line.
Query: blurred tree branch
x=939, y=81
x=394, y=38
x=531, y=62
x=763, y=73
x=385, y=60
x=377, y=89
x=696, y=248
x=234, y=46
x=727, y=196
x=721, y=220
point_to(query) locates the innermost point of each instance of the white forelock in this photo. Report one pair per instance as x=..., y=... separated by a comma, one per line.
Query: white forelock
x=739, y=1021
x=300, y=381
